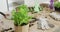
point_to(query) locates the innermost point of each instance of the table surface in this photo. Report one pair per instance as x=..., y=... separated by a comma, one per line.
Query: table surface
x=56, y=24
x=51, y=21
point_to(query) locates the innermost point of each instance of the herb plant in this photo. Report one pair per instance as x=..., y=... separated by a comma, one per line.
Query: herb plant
x=21, y=17
x=57, y=4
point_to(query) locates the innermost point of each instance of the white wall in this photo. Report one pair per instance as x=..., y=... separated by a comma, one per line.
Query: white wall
x=44, y=1
x=3, y=5
x=31, y=2
x=12, y=5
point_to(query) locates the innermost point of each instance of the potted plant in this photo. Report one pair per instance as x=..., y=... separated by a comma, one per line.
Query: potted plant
x=57, y=6
x=21, y=19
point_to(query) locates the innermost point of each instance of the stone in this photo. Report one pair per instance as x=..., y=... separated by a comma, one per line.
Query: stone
x=55, y=16
x=43, y=23
x=51, y=25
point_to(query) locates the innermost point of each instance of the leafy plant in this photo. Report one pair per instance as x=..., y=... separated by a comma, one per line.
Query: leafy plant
x=31, y=9
x=57, y=4
x=21, y=17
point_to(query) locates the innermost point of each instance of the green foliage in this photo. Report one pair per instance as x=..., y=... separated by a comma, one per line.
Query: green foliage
x=40, y=8
x=31, y=9
x=21, y=18
x=57, y=4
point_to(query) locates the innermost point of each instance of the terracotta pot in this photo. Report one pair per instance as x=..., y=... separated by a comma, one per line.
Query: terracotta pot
x=24, y=28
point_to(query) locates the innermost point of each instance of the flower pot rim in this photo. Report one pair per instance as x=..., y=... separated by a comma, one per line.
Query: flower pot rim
x=20, y=25
x=56, y=7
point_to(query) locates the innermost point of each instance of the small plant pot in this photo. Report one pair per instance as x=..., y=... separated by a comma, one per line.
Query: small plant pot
x=24, y=28
x=57, y=9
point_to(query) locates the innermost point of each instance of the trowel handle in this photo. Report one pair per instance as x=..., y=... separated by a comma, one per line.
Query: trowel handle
x=3, y=14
